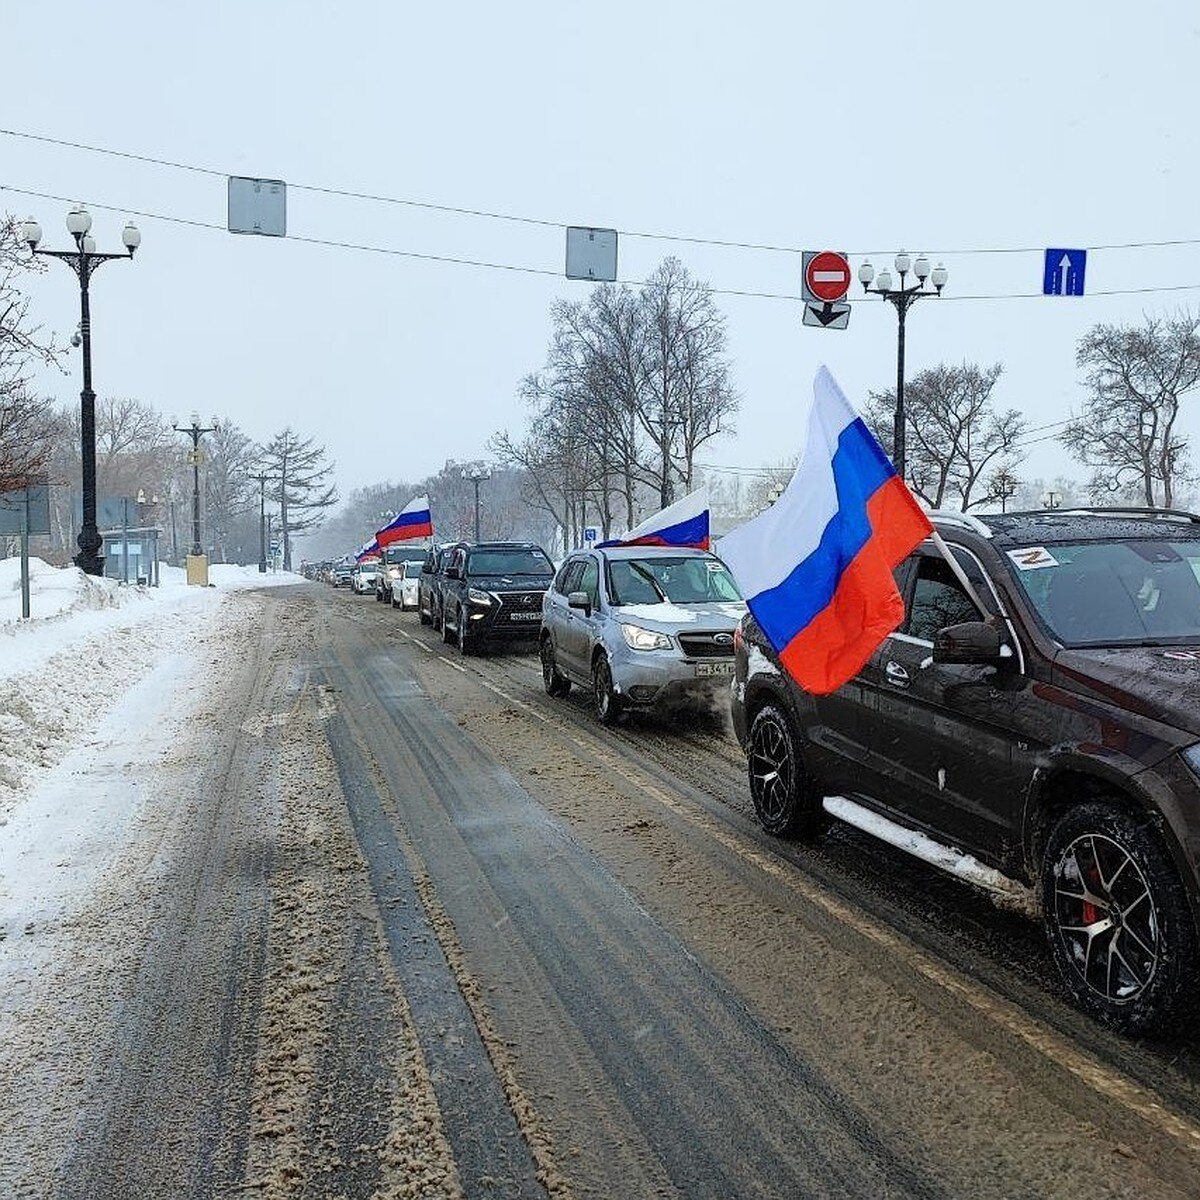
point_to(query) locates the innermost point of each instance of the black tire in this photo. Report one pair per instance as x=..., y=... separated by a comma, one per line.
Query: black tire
x=555, y=683
x=1117, y=919
x=785, y=800
x=608, y=704
x=447, y=636
x=466, y=643
x=426, y=618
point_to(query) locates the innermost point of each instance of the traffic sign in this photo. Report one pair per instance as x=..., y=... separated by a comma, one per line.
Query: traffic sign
x=1064, y=272
x=591, y=533
x=826, y=275
x=827, y=316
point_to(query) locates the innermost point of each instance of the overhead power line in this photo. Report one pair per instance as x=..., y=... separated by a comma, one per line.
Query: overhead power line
x=518, y=268
x=520, y=219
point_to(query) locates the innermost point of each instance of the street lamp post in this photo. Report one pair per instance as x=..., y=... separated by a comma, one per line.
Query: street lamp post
x=476, y=475
x=902, y=299
x=84, y=260
x=262, y=520
x=1051, y=499
x=195, y=431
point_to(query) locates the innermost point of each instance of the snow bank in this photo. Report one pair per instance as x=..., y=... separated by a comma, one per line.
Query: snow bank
x=87, y=642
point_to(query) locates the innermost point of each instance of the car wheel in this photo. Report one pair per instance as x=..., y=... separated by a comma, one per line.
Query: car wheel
x=424, y=617
x=1117, y=919
x=785, y=801
x=447, y=633
x=555, y=683
x=466, y=644
x=608, y=703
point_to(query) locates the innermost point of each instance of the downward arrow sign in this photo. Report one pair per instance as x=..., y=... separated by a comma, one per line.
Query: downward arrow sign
x=825, y=314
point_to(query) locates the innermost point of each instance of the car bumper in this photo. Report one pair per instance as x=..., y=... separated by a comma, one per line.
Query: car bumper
x=646, y=678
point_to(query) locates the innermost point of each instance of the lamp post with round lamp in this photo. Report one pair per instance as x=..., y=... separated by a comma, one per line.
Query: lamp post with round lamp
x=84, y=260
x=902, y=299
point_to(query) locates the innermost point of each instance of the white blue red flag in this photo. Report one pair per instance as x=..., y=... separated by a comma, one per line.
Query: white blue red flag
x=817, y=567
x=368, y=552
x=684, y=523
x=412, y=521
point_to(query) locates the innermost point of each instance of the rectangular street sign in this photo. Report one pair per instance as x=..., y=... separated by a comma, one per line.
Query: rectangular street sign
x=827, y=316
x=1063, y=274
x=30, y=504
x=257, y=206
x=592, y=254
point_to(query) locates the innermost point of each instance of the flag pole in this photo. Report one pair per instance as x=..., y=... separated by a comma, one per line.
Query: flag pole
x=959, y=573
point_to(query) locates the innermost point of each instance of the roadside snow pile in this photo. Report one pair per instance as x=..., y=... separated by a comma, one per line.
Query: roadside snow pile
x=52, y=590
x=87, y=643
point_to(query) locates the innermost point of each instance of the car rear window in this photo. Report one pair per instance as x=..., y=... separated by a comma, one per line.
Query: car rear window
x=1119, y=593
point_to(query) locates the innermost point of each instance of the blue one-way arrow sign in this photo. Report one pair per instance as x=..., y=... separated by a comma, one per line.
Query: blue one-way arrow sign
x=1064, y=272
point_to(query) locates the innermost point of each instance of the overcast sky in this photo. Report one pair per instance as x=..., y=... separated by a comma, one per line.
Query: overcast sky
x=941, y=127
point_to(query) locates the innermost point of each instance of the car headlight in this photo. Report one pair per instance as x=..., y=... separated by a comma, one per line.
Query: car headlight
x=637, y=638
x=477, y=597
x=1191, y=756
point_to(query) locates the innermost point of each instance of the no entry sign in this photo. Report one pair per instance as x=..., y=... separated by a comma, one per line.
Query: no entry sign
x=826, y=275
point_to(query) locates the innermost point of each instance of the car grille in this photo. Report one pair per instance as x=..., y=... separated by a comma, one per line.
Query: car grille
x=513, y=606
x=707, y=645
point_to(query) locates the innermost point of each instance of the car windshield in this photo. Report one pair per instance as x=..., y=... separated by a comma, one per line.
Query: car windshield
x=1125, y=593
x=684, y=580
x=529, y=561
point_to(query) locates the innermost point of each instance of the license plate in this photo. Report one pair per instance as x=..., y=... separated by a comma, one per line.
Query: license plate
x=721, y=668
x=529, y=616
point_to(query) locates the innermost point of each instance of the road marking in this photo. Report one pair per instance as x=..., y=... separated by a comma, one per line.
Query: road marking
x=1001, y=1012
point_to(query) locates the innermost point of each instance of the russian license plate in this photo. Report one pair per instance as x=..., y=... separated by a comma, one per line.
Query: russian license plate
x=721, y=668
x=527, y=616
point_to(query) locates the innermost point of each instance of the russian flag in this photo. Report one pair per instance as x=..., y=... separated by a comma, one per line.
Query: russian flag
x=684, y=523
x=816, y=567
x=412, y=521
x=368, y=551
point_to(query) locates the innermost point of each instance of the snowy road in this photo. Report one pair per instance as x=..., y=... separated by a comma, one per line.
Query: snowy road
x=348, y=915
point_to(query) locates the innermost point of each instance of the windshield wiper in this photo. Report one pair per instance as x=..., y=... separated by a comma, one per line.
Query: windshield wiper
x=662, y=596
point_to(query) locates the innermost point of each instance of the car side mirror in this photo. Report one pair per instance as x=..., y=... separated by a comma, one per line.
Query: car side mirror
x=580, y=600
x=452, y=573
x=971, y=642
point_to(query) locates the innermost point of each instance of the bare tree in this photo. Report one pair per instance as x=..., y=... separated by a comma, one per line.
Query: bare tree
x=26, y=420
x=1127, y=431
x=961, y=447
x=230, y=495
x=302, y=489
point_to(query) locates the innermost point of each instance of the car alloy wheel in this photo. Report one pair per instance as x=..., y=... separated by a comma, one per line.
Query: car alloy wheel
x=555, y=683
x=608, y=703
x=465, y=643
x=447, y=636
x=1117, y=918
x=784, y=800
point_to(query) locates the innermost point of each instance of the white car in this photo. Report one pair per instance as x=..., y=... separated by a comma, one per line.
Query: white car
x=362, y=579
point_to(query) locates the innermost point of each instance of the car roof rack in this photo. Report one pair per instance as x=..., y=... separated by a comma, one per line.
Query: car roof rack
x=960, y=519
x=1169, y=514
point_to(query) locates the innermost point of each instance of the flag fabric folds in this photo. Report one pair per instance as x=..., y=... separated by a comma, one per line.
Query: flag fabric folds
x=368, y=552
x=412, y=521
x=684, y=523
x=816, y=567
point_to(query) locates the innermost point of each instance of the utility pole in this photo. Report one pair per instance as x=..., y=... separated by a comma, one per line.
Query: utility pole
x=262, y=520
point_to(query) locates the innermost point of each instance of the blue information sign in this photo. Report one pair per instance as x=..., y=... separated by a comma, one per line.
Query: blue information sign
x=1064, y=272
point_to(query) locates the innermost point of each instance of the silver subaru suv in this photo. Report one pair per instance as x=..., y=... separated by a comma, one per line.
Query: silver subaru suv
x=639, y=626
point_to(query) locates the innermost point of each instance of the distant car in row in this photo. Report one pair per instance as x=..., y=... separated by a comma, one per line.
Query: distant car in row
x=492, y=592
x=399, y=572
x=640, y=627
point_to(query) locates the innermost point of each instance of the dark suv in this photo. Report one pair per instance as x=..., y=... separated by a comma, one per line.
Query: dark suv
x=1054, y=734
x=429, y=585
x=493, y=592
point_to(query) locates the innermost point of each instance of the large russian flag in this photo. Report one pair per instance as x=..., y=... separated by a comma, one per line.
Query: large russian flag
x=412, y=521
x=816, y=567
x=684, y=523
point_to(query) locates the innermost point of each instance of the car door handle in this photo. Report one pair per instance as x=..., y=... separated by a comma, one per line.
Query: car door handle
x=896, y=674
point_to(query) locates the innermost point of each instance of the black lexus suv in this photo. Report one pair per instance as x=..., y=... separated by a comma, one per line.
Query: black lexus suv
x=1054, y=733
x=493, y=592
